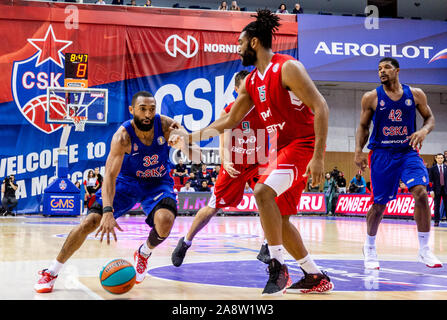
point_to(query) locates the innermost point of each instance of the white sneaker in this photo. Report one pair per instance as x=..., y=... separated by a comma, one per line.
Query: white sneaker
x=370, y=257
x=429, y=259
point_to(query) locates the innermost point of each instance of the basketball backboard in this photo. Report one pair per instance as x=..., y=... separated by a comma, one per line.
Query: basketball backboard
x=64, y=104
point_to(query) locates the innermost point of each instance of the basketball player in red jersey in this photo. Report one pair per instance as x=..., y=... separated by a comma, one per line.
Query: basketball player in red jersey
x=295, y=115
x=240, y=164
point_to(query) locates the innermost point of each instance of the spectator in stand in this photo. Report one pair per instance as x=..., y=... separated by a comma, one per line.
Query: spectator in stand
x=215, y=171
x=359, y=182
x=297, y=9
x=341, y=183
x=247, y=188
x=402, y=188
x=204, y=174
x=329, y=189
x=234, y=6
x=187, y=187
x=223, y=6
x=335, y=174
x=180, y=171
x=99, y=178
x=91, y=185
x=148, y=3
x=118, y=2
x=282, y=8
x=195, y=167
x=445, y=157
x=438, y=178
x=193, y=181
x=100, y=2
x=204, y=187
x=132, y=3
x=310, y=188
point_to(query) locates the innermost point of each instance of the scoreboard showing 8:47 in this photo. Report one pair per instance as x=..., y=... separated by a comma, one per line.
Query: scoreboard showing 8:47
x=76, y=70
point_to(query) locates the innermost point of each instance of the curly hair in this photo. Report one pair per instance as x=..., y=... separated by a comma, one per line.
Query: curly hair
x=264, y=28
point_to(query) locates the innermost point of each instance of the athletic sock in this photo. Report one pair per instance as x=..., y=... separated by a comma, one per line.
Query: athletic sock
x=145, y=251
x=308, y=265
x=423, y=239
x=277, y=252
x=55, y=267
x=370, y=241
x=187, y=242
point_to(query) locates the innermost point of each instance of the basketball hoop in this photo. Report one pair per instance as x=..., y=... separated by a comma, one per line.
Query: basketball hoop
x=79, y=122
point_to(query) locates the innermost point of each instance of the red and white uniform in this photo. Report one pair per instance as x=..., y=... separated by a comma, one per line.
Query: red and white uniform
x=228, y=192
x=290, y=124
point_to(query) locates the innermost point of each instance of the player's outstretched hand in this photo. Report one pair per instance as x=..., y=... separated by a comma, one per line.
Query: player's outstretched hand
x=229, y=167
x=315, y=169
x=360, y=161
x=417, y=138
x=177, y=138
x=107, y=226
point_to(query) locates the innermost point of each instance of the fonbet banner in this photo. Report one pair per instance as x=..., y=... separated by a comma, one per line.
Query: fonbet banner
x=189, y=66
x=338, y=48
x=358, y=204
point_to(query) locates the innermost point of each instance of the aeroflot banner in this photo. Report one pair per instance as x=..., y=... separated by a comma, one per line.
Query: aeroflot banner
x=359, y=204
x=338, y=48
x=186, y=58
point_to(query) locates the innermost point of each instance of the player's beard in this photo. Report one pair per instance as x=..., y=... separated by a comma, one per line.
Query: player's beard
x=249, y=57
x=143, y=126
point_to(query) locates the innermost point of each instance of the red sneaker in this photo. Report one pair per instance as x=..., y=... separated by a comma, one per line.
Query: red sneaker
x=45, y=283
x=140, y=266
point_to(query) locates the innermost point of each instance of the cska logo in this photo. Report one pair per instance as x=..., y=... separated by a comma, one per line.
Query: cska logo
x=31, y=78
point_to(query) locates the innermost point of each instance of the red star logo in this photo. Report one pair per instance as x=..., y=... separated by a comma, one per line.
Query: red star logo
x=50, y=48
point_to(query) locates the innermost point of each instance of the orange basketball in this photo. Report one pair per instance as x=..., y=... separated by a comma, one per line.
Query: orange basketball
x=117, y=276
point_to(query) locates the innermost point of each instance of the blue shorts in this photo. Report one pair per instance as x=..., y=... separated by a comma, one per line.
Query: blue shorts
x=388, y=168
x=129, y=192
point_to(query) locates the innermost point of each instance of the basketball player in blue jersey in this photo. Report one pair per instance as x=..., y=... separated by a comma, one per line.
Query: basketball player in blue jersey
x=137, y=170
x=394, y=144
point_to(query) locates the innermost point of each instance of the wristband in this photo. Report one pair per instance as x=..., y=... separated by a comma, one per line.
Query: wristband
x=107, y=209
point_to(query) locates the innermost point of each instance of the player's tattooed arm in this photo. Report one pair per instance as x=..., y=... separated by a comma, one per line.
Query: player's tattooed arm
x=418, y=137
x=368, y=104
x=176, y=136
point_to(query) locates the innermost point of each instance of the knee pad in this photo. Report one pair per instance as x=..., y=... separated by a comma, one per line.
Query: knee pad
x=154, y=237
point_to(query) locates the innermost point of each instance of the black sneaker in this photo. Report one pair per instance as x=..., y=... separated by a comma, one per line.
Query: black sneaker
x=264, y=254
x=278, y=279
x=179, y=252
x=312, y=283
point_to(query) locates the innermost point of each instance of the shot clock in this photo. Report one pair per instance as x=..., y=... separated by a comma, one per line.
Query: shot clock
x=76, y=70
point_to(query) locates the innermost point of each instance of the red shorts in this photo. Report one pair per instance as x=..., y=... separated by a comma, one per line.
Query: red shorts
x=228, y=192
x=284, y=174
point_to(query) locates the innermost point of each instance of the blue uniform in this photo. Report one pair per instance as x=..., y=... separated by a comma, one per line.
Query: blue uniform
x=392, y=158
x=144, y=175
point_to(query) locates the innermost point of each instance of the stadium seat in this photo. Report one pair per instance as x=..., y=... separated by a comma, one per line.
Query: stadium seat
x=194, y=7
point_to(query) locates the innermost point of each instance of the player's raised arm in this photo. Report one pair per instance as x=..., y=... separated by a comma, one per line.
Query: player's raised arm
x=369, y=100
x=119, y=146
x=296, y=78
x=418, y=137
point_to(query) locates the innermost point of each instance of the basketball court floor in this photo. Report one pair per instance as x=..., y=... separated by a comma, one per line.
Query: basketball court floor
x=221, y=264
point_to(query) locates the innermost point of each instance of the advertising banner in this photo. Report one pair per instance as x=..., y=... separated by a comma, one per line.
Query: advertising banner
x=193, y=201
x=339, y=48
x=188, y=64
x=359, y=204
